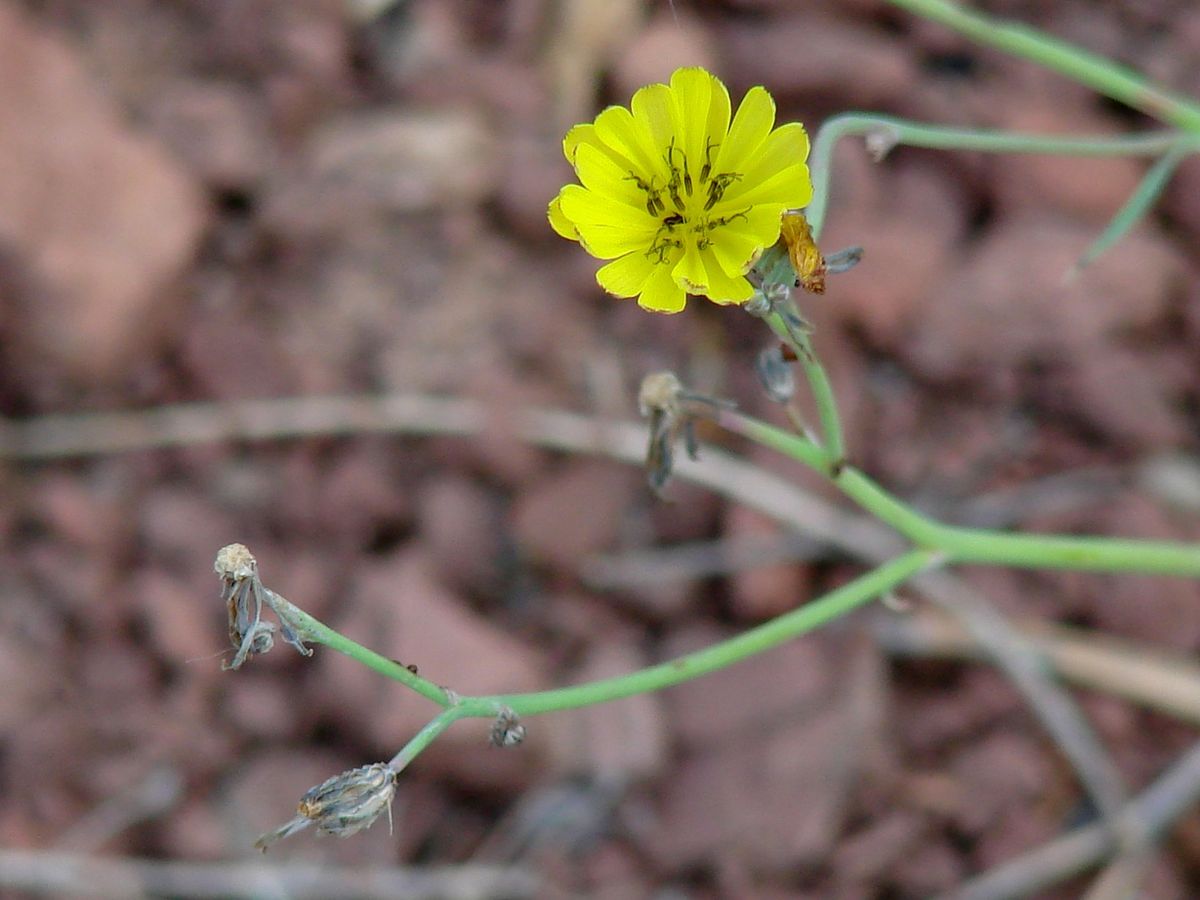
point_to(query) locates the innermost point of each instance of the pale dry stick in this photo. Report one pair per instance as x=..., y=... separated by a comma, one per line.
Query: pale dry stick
x=697, y=559
x=59, y=436
x=1027, y=669
x=1168, y=683
x=1122, y=878
x=153, y=795
x=94, y=434
x=59, y=874
x=687, y=561
x=1143, y=822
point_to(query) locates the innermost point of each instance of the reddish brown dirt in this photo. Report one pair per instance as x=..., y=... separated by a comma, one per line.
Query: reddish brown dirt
x=230, y=199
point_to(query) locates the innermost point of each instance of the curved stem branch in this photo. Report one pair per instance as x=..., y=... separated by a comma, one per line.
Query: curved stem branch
x=889, y=131
x=1080, y=65
x=974, y=545
x=426, y=736
x=833, y=449
x=812, y=615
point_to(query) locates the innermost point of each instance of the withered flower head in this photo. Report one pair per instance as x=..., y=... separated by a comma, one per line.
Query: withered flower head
x=244, y=596
x=672, y=410
x=342, y=805
x=242, y=592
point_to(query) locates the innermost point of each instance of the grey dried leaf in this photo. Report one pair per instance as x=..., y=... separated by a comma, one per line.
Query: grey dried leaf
x=775, y=374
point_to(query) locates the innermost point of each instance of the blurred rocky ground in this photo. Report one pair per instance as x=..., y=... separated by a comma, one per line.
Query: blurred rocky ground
x=228, y=199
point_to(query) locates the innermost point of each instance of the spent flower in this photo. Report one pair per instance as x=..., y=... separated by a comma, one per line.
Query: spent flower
x=245, y=595
x=342, y=805
x=679, y=195
x=672, y=411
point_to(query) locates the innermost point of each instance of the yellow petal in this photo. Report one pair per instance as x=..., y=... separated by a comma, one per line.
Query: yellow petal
x=575, y=137
x=616, y=128
x=759, y=223
x=689, y=272
x=656, y=117
x=723, y=288
x=625, y=276
x=736, y=251
x=693, y=90
x=791, y=187
x=608, y=242
x=751, y=125
x=601, y=175
x=717, y=122
x=660, y=293
x=584, y=207
x=785, y=146
x=559, y=222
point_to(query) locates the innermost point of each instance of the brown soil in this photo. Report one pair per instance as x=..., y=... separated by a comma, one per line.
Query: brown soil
x=230, y=199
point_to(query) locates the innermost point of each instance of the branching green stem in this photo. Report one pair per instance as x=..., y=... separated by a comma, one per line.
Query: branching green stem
x=971, y=545
x=692, y=665
x=1080, y=65
x=935, y=543
x=318, y=632
x=426, y=735
x=806, y=618
x=886, y=132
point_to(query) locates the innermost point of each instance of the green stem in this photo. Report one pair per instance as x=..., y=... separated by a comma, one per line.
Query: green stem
x=426, y=736
x=973, y=545
x=1136, y=207
x=806, y=618
x=812, y=615
x=1080, y=65
x=317, y=631
x=891, y=131
x=833, y=452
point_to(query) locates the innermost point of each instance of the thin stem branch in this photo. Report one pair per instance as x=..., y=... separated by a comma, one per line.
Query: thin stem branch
x=806, y=618
x=833, y=449
x=1153, y=183
x=1080, y=65
x=426, y=736
x=886, y=132
x=975, y=545
x=318, y=632
x=799, y=621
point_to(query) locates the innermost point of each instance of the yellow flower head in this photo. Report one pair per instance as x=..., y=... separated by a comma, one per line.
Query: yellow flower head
x=681, y=199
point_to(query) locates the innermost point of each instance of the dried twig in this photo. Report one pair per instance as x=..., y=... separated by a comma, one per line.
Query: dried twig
x=1169, y=683
x=62, y=874
x=1142, y=823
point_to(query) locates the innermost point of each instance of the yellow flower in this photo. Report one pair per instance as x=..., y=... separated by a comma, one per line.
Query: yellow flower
x=681, y=199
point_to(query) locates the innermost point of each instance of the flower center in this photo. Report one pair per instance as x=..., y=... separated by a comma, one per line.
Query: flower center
x=688, y=215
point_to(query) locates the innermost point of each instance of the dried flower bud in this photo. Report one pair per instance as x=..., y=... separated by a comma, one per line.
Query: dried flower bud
x=244, y=596
x=672, y=411
x=507, y=730
x=241, y=591
x=342, y=805
x=235, y=562
x=660, y=392
x=775, y=374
